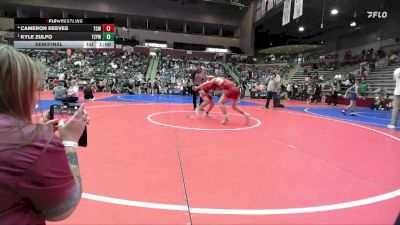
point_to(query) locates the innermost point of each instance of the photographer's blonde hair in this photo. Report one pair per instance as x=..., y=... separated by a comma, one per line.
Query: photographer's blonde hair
x=20, y=78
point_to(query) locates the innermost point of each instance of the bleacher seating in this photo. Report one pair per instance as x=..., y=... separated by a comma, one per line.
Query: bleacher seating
x=175, y=71
x=90, y=66
x=382, y=77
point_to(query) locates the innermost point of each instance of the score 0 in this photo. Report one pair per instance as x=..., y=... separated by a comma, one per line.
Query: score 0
x=108, y=27
x=108, y=36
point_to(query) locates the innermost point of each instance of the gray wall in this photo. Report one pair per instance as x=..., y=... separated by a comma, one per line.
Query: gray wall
x=247, y=32
x=6, y=24
x=170, y=38
x=201, y=13
x=365, y=39
x=154, y=8
x=376, y=34
x=390, y=32
x=371, y=36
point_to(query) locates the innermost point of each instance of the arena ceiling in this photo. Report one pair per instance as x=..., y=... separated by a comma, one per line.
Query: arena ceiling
x=224, y=12
x=270, y=33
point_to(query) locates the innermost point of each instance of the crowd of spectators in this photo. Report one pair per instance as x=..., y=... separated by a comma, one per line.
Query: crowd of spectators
x=317, y=88
x=124, y=72
x=174, y=75
x=368, y=56
x=254, y=78
x=114, y=71
x=310, y=90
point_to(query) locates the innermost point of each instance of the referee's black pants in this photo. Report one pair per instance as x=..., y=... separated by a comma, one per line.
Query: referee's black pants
x=195, y=94
x=274, y=97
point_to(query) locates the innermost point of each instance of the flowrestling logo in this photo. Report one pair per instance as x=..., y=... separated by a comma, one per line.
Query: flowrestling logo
x=377, y=14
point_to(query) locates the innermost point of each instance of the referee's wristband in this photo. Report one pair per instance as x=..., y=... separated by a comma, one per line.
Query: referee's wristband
x=70, y=144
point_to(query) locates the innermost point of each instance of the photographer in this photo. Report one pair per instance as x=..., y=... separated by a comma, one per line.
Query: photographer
x=39, y=175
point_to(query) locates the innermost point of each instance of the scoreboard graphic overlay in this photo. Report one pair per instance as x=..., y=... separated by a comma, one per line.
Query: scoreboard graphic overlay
x=40, y=33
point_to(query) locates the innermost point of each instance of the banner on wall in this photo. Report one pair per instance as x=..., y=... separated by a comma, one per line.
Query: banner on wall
x=298, y=9
x=286, y=12
x=258, y=9
x=270, y=4
x=263, y=7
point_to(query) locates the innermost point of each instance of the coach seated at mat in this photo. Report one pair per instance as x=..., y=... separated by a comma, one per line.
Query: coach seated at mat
x=39, y=173
x=378, y=104
x=59, y=91
x=73, y=92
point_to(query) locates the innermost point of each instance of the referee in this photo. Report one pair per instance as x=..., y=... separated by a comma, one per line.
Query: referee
x=198, y=77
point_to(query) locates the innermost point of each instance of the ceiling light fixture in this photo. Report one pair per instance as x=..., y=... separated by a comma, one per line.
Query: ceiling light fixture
x=353, y=24
x=334, y=11
x=301, y=29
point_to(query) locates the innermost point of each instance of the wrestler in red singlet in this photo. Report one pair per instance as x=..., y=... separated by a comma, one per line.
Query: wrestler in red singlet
x=232, y=91
x=204, y=92
x=208, y=86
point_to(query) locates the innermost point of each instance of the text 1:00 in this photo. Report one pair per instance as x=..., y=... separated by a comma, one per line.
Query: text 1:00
x=105, y=44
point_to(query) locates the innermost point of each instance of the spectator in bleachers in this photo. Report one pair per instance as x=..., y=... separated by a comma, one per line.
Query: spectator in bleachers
x=243, y=89
x=289, y=90
x=253, y=92
x=363, y=54
x=363, y=72
x=46, y=85
x=317, y=93
x=89, y=91
x=363, y=88
x=389, y=106
x=307, y=79
x=392, y=58
x=137, y=86
x=347, y=55
x=347, y=83
x=149, y=86
x=61, y=77
x=310, y=92
x=334, y=91
x=101, y=86
x=295, y=90
x=261, y=87
x=380, y=92
x=351, y=78
x=156, y=86
x=370, y=53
